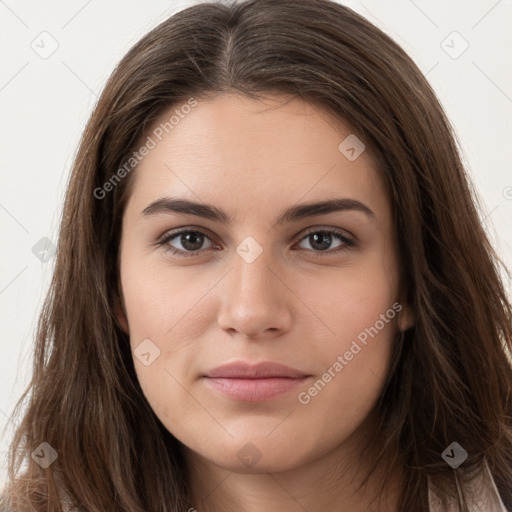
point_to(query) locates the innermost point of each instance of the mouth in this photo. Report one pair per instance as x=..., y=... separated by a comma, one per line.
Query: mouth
x=254, y=390
x=244, y=382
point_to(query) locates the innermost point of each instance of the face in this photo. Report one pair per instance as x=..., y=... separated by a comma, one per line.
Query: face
x=237, y=280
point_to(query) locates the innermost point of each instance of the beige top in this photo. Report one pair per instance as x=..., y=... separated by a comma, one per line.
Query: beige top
x=481, y=492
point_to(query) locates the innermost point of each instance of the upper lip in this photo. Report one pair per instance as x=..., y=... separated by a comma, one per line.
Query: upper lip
x=265, y=369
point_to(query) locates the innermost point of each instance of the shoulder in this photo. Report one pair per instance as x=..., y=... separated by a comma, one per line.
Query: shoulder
x=481, y=492
x=3, y=505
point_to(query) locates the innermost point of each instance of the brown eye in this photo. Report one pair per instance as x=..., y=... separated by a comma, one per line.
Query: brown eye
x=321, y=240
x=191, y=241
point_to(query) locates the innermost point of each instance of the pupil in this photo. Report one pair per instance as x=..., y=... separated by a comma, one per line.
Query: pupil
x=194, y=239
x=324, y=240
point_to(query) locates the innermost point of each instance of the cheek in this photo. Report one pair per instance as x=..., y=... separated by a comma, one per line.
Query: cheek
x=350, y=302
x=355, y=365
x=360, y=311
x=165, y=318
x=159, y=299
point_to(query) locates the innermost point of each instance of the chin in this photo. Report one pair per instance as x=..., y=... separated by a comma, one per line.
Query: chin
x=256, y=455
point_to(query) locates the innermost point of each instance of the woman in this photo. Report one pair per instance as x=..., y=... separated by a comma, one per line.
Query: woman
x=272, y=288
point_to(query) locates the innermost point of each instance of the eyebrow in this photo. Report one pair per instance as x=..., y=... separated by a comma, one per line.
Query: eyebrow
x=294, y=213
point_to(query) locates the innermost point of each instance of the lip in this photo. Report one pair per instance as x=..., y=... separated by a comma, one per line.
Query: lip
x=265, y=369
x=247, y=382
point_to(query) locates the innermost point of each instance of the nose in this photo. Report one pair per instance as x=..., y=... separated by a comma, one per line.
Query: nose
x=255, y=299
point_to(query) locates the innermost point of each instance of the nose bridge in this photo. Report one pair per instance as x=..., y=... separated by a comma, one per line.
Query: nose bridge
x=254, y=297
x=253, y=283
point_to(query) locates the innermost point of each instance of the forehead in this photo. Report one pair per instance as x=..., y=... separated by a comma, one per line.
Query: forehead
x=249, y=153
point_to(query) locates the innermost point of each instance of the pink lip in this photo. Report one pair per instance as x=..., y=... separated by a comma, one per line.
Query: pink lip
x=254, y=383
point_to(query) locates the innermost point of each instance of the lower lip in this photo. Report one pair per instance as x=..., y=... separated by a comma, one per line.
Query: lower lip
x=254, y=390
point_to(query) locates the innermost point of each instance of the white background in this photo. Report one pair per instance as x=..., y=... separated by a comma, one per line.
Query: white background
x=44, y=105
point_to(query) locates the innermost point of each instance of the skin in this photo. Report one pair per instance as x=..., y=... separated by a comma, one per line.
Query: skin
x=254, y=159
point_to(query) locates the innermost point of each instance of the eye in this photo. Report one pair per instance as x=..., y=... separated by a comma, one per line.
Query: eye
x=190, y=240
x=321, y=240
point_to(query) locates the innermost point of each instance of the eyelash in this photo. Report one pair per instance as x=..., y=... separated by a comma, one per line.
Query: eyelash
x=347, y=242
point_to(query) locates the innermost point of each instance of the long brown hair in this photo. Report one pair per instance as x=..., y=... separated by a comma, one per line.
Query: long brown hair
x=452, y=377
